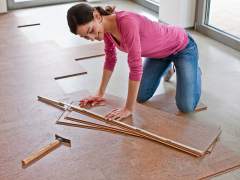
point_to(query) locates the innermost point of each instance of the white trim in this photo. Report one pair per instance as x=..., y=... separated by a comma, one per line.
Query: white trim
x=3, y=6
x=27, y=4
x=153, y=2
x=181, y=13
x=148, y=4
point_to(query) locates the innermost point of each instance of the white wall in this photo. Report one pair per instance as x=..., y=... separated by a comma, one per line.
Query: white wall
x=3, y=6
x=178, y=12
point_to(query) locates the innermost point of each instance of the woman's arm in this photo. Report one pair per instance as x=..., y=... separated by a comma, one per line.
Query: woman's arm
x=133, y=87
x=104, y=82
x=131, y=38
x=126, y=111
x=110, y=61
x=97, y=99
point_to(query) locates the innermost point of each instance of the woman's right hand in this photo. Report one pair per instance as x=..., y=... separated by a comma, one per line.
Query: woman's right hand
x=92, y=101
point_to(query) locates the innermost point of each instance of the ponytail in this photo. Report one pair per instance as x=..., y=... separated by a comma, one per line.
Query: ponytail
x=105, y=12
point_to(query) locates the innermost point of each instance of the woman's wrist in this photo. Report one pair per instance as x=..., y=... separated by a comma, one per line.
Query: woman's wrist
x=100, y=93
x=129, y=107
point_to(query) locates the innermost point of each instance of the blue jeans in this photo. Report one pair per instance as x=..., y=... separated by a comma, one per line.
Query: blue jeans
x=188, y=90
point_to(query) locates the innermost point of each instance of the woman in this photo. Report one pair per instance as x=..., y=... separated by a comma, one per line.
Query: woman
x=138, y=36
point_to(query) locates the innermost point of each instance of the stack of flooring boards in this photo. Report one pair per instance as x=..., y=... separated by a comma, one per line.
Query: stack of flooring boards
x=28, y=70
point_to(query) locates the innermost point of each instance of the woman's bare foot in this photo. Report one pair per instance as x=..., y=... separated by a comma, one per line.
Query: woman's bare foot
x=169, y=74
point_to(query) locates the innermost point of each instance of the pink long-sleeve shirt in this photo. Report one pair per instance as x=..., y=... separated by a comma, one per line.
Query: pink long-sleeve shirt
x=141, y=37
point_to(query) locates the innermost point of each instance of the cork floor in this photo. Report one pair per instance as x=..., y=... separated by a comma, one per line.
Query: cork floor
x=220, y=66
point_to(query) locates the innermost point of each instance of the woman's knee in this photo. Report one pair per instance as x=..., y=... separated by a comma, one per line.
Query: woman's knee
x=186, y=107
x=142, y=98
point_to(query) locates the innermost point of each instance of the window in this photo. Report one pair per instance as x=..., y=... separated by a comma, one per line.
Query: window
x=220, y=20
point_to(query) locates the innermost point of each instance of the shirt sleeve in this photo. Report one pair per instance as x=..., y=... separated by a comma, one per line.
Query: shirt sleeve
x=110, y=53
x=131, y=36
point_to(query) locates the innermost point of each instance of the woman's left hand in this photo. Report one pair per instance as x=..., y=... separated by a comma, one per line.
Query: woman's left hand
x=118, y=114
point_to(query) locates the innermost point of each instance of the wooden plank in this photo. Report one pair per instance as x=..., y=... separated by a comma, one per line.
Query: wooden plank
x=88, y=125
x=143, y=132
x=193, y=134
x=74, y=116
x=71, y=118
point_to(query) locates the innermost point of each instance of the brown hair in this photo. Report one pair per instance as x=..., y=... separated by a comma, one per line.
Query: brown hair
x=82, y=13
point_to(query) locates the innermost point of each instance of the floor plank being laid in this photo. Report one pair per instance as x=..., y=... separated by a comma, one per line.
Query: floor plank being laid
x=190, y=133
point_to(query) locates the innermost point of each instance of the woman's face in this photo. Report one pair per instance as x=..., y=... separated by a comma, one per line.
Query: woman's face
x=93, y=30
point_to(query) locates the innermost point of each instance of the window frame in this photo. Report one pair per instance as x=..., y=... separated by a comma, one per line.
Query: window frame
x=202, y=13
